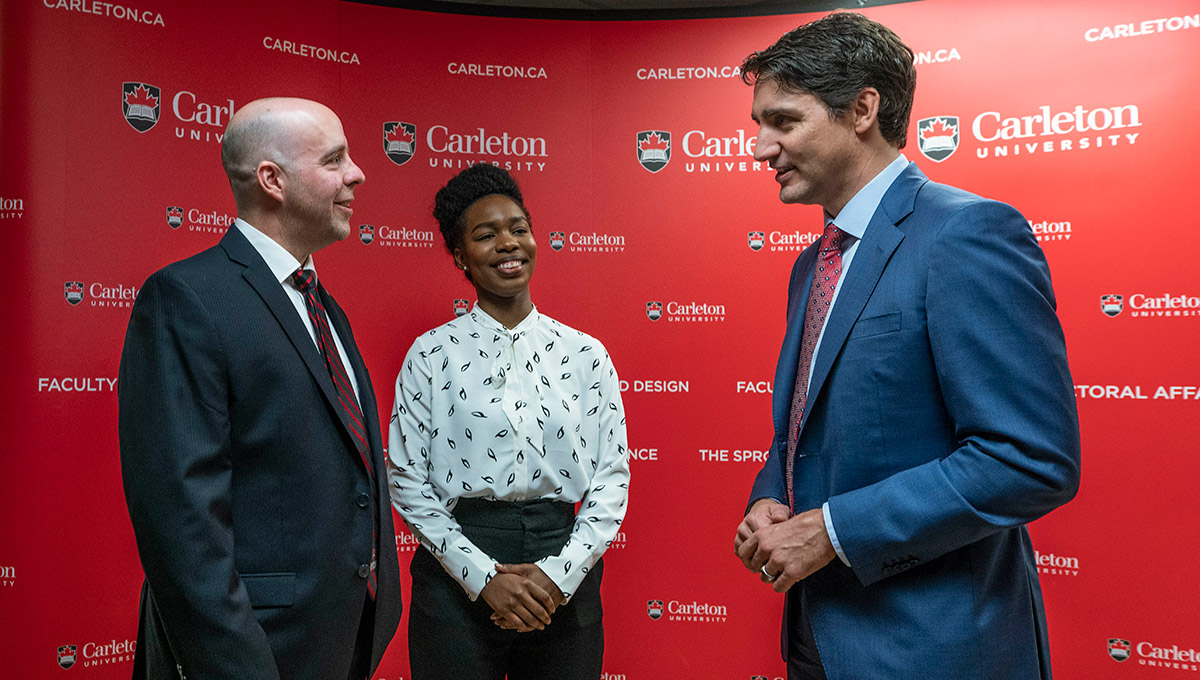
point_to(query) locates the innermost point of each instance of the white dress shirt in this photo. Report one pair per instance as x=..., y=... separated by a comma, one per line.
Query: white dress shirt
x=533, y=412
x=282, y=265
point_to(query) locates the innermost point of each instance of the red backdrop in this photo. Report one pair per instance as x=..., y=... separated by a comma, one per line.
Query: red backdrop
x=1103, y=175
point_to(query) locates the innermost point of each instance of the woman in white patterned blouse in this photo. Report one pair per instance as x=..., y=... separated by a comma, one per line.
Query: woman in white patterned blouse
x=504, y=421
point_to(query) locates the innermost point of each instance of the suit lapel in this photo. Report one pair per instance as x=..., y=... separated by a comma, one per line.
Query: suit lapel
x=260, y=278
x=874, y=251
x=366, y=396
x=789, y=354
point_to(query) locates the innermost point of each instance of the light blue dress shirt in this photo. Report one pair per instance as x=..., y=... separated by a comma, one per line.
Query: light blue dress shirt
x=853, y=221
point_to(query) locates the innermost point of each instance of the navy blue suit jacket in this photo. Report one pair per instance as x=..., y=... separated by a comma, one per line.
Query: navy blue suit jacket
x=940, y=420
x=250, y=503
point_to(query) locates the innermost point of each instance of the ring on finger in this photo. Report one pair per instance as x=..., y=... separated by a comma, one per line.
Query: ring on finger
x=768, y=576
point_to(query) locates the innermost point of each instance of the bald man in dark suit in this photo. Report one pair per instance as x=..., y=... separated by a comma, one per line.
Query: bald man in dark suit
x=250, y=445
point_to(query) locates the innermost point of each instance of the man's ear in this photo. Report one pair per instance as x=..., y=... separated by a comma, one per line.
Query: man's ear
x=865, y=110
x=270, y=179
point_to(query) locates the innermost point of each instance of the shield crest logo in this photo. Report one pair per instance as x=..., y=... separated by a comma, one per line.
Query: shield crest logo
x=140, y=105
x=756, y=240
x=1118, y=649
x=366, y=233
x=654, y=149
x=558, y=240
x=758, y=677
x=73, y=290
x=937, y=137
x=461, y=306
x=654, y=310
x=66, y=656
x=654, y=608
x=399, y=141
x=1112, y=305
x=174, y=216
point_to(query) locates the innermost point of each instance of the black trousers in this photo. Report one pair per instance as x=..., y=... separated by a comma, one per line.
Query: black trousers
x=360, y=661
x=449, y=636
x=800, y=648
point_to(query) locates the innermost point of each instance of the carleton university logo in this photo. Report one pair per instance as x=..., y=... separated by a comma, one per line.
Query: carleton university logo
x=1118, y=649
x=654, y=149
x=461, y=307
x=174, y=216
x=66, y=656
x=557, y=240
x=73, y=290
x=654, y=310
x=366, y=233
x=399, y=141
x=139, y=105
x=756, y=240
x=1112, y=304
x=654, y=608
x=937, y=137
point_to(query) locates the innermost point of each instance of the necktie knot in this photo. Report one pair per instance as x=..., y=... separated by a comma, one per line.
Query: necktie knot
x=305, y=280
x=832, y=239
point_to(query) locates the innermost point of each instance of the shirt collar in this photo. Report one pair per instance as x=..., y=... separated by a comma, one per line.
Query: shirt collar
x=281, y=263
x=854, y=218
x=484, y=319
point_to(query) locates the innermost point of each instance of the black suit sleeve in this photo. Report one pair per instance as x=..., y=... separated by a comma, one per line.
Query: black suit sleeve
x=176, y=465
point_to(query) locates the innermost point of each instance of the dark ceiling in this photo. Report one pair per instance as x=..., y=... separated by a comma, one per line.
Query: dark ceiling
x=628, y=9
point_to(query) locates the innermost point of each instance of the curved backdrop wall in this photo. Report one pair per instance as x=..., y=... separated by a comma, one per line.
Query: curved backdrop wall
x=659, y=234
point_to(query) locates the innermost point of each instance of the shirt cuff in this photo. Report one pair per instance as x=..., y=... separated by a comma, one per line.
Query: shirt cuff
x=468, y=565
x=837, y=547
x=568, y=568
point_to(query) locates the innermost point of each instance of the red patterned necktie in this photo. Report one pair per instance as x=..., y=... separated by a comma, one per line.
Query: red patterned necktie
x=305, y=281
x=820, y=297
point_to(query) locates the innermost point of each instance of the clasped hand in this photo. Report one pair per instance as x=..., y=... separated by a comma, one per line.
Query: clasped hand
x=782, y=548
x=522, y=597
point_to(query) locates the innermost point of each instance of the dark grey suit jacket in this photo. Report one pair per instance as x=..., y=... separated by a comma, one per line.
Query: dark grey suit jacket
x=252, y=508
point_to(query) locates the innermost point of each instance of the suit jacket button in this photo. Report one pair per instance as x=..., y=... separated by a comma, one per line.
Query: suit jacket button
x=363, y=571
x=363, y=500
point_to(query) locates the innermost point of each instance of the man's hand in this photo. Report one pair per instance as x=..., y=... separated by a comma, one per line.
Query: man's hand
x=519, y=603
x=764, y=512
x=791, y=550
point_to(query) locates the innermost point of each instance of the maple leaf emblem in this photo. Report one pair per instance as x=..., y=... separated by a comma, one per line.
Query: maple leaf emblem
x=939, y=128
x=400, y=134
x=653, y=141
x=141, y=96
x=399, y=141
x=937, y=137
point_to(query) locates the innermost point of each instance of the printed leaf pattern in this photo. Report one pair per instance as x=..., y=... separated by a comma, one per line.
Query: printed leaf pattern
x=542, y=388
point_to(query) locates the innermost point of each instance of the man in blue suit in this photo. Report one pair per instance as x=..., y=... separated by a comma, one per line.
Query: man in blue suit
x=923, y=408
x=250, y=445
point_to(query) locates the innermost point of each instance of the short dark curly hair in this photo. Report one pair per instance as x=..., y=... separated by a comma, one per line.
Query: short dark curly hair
x=463, y=190
x=834, y=58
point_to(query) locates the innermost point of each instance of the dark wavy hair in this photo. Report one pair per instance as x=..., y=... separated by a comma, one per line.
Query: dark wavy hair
x=834, y=58
x=461, y=192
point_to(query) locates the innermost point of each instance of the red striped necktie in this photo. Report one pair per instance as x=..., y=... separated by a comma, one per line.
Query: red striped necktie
x=820, y=297
x=305, y=281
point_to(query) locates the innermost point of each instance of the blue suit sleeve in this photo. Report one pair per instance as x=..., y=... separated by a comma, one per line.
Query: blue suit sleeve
x=176, y=465
x=1001, y=365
